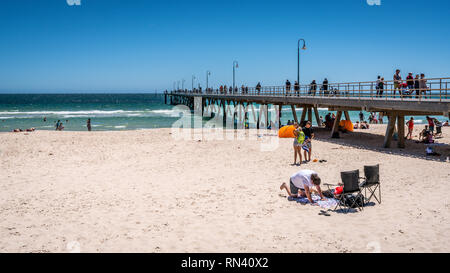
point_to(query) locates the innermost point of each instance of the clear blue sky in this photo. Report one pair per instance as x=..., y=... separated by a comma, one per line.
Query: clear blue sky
x=119, y=45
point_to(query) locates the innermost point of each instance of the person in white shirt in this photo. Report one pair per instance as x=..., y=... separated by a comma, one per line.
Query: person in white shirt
x=302, y=184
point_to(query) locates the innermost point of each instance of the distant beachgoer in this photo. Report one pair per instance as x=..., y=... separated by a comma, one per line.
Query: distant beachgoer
x=431, y=124
x=410, y=125
x=302, y=184
x=356, y=126
x=88, y=124
x=307, y=145
x=380, y=118
x=288, y=87
x=57, y=125
x=361, y=116
x=424, y=134
x=61, y=127
x=397, y=81
x=298, y=142
x=439, y=126
x=446, y=124
x=321, y=120
x=45, y=119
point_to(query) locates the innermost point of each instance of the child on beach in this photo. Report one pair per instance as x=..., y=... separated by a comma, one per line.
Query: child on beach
x=298, y=142
x=410, y=125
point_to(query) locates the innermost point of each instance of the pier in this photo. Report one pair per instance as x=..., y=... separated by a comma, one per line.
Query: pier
x=393, y=101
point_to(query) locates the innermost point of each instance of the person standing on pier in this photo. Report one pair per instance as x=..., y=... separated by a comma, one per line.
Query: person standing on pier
x=258, y=88
x=423, y=85
x=410, y=82
x=397, y=82
x=297, y=88
x=325, y=86
x=288, y=87
x=313, y=88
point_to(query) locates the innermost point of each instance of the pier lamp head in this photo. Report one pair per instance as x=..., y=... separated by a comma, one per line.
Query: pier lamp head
x=304, y=47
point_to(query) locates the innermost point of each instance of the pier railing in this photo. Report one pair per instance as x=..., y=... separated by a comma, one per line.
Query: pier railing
x=434, y=89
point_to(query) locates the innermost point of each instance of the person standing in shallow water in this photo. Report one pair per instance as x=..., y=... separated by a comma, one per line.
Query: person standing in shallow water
x=88, y=124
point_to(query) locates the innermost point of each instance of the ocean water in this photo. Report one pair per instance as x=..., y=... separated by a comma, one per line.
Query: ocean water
x=108, y=112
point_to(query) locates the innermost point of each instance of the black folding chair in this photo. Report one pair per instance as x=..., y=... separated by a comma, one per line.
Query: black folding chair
x=371, y=183
x=351, y=187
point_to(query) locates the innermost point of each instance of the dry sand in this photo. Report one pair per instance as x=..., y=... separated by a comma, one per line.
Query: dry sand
x=144, y=191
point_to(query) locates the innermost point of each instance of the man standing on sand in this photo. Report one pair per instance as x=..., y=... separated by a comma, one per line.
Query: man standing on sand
x=410, y=125
x=302, y=184
x=307, y=145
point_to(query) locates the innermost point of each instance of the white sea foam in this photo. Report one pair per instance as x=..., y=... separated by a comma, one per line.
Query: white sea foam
x=120, y=126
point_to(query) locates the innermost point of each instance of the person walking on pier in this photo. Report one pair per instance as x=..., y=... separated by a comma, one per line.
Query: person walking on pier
x=288, y=87
x=397, y=82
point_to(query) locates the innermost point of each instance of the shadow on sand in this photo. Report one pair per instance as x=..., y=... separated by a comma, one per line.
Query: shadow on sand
x=374, y=142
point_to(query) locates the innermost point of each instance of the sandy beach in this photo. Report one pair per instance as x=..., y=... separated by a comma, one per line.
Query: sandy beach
x=144, y=191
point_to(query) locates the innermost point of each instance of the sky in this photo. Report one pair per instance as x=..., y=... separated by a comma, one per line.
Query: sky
x=146, y=46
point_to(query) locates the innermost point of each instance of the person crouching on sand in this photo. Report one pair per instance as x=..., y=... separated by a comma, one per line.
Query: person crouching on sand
x=302, y=184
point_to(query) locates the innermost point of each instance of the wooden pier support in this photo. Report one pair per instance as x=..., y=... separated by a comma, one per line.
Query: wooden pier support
x=294, y=113
x=347, y=116
x=316, y=113
x=336, y=123
x=390, y=130
x=309, y=114
x=302, y=120
x=401, y=131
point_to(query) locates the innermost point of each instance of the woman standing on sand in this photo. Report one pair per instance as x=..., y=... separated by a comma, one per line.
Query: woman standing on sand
x=298, y=142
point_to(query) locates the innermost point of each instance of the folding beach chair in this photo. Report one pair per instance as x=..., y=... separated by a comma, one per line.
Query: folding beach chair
x=371, y=183
x=351, y=195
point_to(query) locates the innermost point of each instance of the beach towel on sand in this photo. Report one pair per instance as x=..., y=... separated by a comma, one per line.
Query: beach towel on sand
x=327, y=204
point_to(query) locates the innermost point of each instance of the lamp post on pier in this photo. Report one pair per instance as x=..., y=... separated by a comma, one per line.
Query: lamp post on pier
x=182, y=83
x=298, y=57
x=235, y=65
x=193, y=79
x=208, y=73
